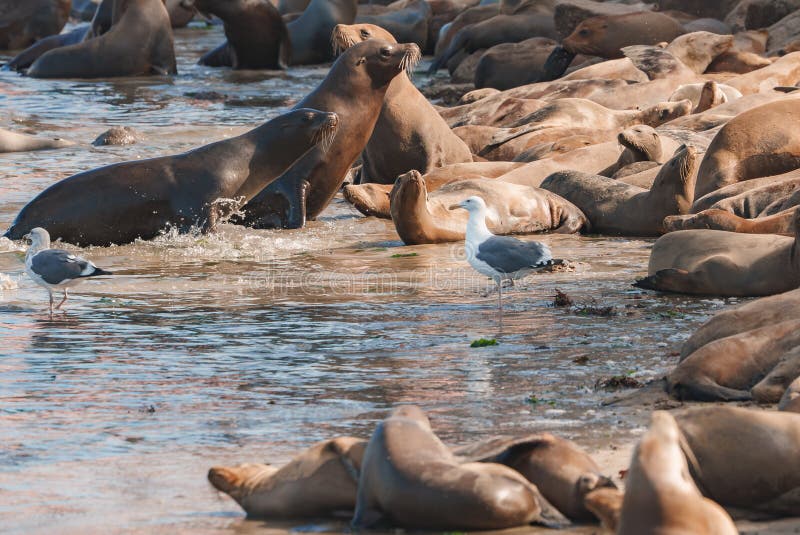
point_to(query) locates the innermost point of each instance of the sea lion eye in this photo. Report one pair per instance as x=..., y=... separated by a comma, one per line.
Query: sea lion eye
x=584, y=32
x=662, y=114
x=365, y=34
x=386, y=52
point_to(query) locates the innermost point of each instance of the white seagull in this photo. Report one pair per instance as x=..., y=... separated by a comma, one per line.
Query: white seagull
x=499, y=257
x=56, y=269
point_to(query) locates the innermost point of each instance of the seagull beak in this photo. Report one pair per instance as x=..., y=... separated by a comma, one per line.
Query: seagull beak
x=454, y=206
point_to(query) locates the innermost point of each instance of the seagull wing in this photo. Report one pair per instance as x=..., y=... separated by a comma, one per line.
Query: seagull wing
x=55, y=266
x=509, y=255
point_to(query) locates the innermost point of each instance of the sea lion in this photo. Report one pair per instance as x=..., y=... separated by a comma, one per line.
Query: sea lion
x=319, y=482
x=716, y=219
x=771, y=388
x=614, y=207
x=642, y=144
x=374, y=199
x=790, y=401
x=660, y=496
x=310, y=34
x=785, y=71
x=16, y=142
x=744, y=458
x=179, y=13
x=23, y=23
x=713, y=262
x=606, y=36
x=256, y=36
x=562, y=471
x=739, y=62
x=494, y=112
x=354, y=89
x=759, y=142
x=122, y=202
x=411, y=479
x=752, y=315
x=138, y=43
x=510, y=65
x=749, y=197
x=24, y=59
x=409, y=133
x=726, y=369
x=513, y=209
x=694, y=92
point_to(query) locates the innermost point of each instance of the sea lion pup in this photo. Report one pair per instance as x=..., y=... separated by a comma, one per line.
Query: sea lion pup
x=759, y=142
x=759, y=313
x=138, y=199
x=790, y=401
x=660, y=496
x=256, y=36
x=319, y=482
x=23, y=23
x=409, y=133
x=139, y=43
x=726, y=369
x=744, y=459
x=715, y=219
x=513, y=209
x=713, y=262
x=15, y=142
x=771, y=388
x=578, y=112
x=310, y=33
x=606, y=36
x=562, y=471
x=410, y=479
x=373, y=199
x=354, y=89
x=614, y=207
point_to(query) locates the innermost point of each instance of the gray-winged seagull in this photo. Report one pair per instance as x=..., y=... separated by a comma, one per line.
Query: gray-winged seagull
x=499, y=257
x=56, y=269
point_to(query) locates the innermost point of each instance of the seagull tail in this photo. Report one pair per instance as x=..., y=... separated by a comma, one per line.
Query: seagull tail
x=97, y=272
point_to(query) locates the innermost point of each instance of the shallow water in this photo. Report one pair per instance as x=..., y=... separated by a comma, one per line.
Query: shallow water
x=248, y=345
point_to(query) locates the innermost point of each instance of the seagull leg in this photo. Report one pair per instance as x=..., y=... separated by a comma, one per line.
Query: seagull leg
x=58, y=307
x=51, y=301
x=500, y=295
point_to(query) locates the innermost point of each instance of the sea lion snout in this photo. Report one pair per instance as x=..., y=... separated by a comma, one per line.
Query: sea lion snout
x=224, y=479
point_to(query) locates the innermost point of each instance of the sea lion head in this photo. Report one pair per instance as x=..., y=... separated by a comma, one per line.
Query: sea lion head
x=589, y=37
x=678, y=177
x=346, y=35
x=378, y=61
x=314, y=126
x=697, y=50
x=238, y=482
x=665, y=112
x=643, y=141
x=411, y=412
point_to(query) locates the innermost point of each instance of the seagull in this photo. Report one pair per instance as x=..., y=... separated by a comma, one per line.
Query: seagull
x=55, y=269
x=499, y=257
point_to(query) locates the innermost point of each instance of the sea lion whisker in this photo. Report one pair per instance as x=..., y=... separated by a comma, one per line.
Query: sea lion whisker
x=341, y=41
x=409, y=62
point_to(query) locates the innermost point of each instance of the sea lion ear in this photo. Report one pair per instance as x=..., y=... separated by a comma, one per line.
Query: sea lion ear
x=361, y=60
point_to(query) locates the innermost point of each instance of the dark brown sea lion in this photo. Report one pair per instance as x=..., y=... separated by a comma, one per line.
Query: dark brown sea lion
x=726, y=369
x=321, y=481
x=311, y=33
x=409, y=133
x=179, y=14
x=660, y=497
x=354, y=89
x=510, y=65
x=409, y=478
x=759, y=142
x=744, y=459
x=713, y=262
x=614, y=207
x=562, y=471
x=606, y=36
x=24, y=22
x=122, y=202
x=15, y=142
x=138, y=43
x=256, y=35
x=513, y=209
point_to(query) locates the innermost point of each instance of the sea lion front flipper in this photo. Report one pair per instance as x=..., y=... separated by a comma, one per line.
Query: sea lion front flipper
x=296, y=213
x=666, y=280
x=549, y=516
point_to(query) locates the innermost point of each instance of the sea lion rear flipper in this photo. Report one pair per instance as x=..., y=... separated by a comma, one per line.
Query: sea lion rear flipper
x=705, y=389
x=549, y=516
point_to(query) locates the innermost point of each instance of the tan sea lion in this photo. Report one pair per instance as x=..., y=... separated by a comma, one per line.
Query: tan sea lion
x=790, y=401
x=354, y=89
x=737, y=61
x=513, y=209
x=494, y=112
x=759, y=313
x=606, y=36
x=562, y=471
x=759, y=192
x=321, y=481
x=705, y=96
x=373, y=199
x=727, y=368
x=781, y=223
x=759, y=142
x=785, y=71
x=16, y=142
x=771, y=388
x=713, y=262
x=409, y=133
x=410, y=479
x=614, y=207
x=660, y=496
x=23, y=23
x=744, y=459
x=139, y=43
x=606, y=504
x=141, y=198
x=642, y=144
